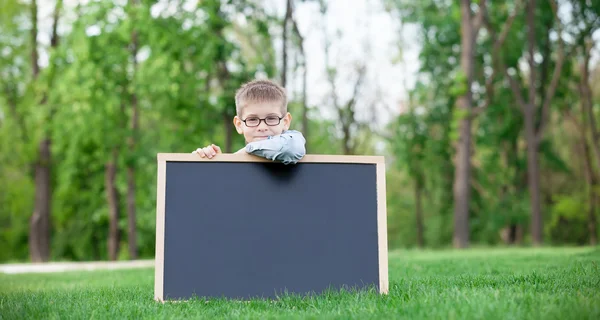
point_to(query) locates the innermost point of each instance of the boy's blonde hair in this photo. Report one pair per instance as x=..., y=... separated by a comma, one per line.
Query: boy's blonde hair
x=259, y=91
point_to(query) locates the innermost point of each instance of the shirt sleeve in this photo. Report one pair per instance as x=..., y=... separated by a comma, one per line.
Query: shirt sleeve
x=288, y=147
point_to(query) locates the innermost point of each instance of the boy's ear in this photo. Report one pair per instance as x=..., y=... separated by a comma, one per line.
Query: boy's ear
x=237, y=122
x=287, y=121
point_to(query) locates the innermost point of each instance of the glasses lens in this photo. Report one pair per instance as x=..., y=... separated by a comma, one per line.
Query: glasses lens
x=252, y=122
x=272, y=121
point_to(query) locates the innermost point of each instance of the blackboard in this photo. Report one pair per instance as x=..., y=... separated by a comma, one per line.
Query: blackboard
x=242, y=227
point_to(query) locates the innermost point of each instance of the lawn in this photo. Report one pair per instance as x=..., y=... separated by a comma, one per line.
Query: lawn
x=545, y=283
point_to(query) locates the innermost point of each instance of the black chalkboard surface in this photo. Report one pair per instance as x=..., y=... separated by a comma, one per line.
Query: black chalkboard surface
x=242, y=227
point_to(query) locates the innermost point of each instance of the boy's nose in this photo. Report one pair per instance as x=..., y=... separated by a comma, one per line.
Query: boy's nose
x=262, y=126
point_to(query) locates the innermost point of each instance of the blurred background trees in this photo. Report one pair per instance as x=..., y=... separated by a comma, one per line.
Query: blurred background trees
x=495, y=142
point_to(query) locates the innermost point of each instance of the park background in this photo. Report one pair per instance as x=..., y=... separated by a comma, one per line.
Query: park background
x=486, y=112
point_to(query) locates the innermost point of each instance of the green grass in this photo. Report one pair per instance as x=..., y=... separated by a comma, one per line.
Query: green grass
x=547, y=283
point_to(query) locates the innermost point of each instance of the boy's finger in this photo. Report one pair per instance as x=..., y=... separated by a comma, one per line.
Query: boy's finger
x=217, y=148
x=200, y=152
x=208, y=152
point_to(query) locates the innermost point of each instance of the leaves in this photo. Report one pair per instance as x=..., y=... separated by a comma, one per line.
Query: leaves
x=91, y=90
x=424, y=139
x=193, y=56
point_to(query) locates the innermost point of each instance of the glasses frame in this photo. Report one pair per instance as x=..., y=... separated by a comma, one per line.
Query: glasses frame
x=265, y=120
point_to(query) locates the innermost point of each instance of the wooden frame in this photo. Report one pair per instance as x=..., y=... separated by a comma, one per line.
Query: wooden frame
x=163, y=158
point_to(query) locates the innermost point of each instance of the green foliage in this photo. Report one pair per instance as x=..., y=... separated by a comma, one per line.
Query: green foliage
x=191, y=59
x=88, y=88
x=458, y=115
x=499, y=192
x=568, y=220
x=459, y=88
x=420, y=143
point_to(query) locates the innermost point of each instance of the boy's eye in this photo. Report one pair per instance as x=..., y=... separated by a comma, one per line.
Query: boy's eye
x=269, y=120
x=251, y=120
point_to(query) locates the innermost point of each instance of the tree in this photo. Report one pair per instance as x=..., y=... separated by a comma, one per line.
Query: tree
x=462, y=189
x=39, y=233
x=591, y=177
x=587, y=112
x=354, y=133
x=300, y=43
x=587, y=14
x=284, y=41
x=134, y=131
x=409, y=143
x=534, y=126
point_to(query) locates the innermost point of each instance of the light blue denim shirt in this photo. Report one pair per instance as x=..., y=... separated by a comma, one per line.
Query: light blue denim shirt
x=288, y=147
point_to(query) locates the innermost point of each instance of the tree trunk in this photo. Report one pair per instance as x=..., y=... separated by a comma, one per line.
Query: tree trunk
x=224, y=78
x=518, y=234
x=96, y=240
x=284, y=47
x=39, y=223
x=586, y=96
x=592, y=221
x=131, y=213
x=419, y=211
x=533, y=174
x=513, y=232
x=520, y=185
x=462, y=174
x=228, y=124
x=304, y=77
x=592, y=185
x=590, y=176
x=346, y=144
x=508, y=232
x=304, y=103
x=39, y=228
x=112, y=198
x=131, y=185
x=533, y=131
x=462, y=186
x=37, y=241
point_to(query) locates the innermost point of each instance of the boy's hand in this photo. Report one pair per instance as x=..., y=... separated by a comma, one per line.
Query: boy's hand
x=208, y=152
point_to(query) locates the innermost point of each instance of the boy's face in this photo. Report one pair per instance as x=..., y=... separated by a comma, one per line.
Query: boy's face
x=257, y=121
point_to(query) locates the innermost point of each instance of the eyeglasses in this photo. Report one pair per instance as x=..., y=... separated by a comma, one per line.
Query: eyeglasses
x=255, y=121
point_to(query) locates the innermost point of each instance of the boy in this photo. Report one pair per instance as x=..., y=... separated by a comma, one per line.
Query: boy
x=262, y=117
